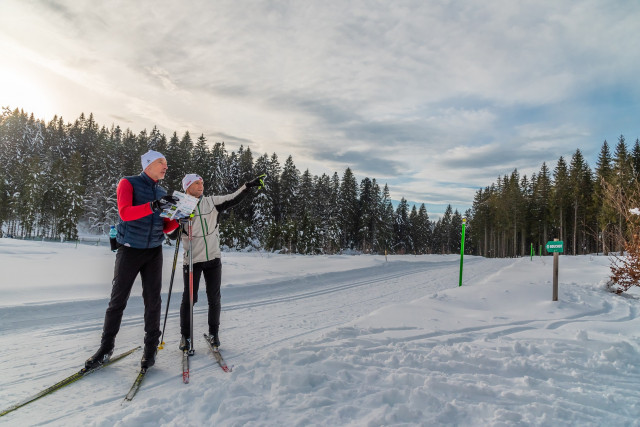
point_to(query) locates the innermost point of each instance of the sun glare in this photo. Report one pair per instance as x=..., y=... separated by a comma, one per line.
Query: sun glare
x=26, y=93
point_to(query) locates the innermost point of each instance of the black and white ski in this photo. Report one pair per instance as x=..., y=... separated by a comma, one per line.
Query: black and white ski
x=65, y=382
x=136, y=386
x=216, y=353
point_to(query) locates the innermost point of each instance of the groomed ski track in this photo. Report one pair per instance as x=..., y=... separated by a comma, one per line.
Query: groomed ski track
x=255, y=316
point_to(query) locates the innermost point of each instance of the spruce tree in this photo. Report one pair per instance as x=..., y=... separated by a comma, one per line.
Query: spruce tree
x=201, y=162
x=446, y=237
x=635, y=160
x=455, y=232
x=366, y=216
x=621, y=179
x=387, y=222
x=157, y=141
x=606, y=213
x=262, y=203
x=561, y=197
x=348, y=210
x=289, y=184
x=402, y=242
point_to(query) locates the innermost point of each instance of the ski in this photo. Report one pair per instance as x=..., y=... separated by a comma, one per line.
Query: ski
x=65, y=382
x=217, y=355
x=135, y=387
x=185, y=366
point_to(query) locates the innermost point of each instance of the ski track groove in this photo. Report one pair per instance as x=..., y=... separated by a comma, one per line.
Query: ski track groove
x=297, y=322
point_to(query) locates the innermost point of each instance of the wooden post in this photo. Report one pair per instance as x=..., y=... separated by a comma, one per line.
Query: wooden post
x=556, y=255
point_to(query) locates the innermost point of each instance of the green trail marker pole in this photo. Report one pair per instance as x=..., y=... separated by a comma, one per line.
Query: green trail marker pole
x=464, y=223
x=555, y=275
x=532, y=252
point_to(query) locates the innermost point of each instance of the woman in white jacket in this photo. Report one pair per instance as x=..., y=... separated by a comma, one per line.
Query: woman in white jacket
x=205, y=248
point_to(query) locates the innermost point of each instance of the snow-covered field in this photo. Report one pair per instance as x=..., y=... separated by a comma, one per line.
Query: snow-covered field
x=330, y=341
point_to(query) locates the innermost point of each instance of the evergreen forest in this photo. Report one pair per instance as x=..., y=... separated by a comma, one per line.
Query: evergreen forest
x=59, y=177
x=569, y=204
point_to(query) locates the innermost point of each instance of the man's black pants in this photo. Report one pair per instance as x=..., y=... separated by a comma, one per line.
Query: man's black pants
x=130, y=262
x=212, y=272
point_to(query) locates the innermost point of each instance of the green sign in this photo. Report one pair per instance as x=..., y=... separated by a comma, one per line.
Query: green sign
x=555, y=246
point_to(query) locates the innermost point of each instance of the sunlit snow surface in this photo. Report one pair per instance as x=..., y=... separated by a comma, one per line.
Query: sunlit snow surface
x=330, y=341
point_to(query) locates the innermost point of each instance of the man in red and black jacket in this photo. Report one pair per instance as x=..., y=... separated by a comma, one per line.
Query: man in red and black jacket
x=140, y=236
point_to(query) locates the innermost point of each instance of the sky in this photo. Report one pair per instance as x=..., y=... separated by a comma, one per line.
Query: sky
x=435, y=98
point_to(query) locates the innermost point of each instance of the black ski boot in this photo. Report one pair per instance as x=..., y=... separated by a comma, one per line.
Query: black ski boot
x=101, y=357
x=185, y=343
x=214, y=340
x=149, y=357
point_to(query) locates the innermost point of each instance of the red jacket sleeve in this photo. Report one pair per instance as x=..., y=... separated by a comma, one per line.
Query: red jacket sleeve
x=127, y=211
x=170, y=225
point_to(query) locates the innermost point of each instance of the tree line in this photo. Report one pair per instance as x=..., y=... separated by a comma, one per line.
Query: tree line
x=569, y=203
x=59, y=175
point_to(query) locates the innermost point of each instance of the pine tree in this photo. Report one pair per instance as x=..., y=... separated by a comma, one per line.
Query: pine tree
x=366, y=216
x=289, y=184
x=217, y=170
x=348, y=210
x=414, y=238
x=455, y=232
x=423, y=231
x=446, y=237
x=621, y=179
x=157, y=141
x=606, y=214
x=262, y=203
x=542, y=193
x=130, y=154
x=635, y=159
x=561, y=196
x=376, y=223
x=402, y=243
x=201, y=162
x=175, y=164
x=308, y=235
x=387, y=222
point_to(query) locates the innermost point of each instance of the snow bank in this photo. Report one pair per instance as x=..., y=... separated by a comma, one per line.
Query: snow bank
x=356, y=341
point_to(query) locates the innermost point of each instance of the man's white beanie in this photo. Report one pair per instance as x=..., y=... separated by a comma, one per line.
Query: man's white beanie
x=189, y=179
x=149, y=157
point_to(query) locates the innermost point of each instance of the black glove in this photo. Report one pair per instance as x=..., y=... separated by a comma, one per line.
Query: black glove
x=174, y=234
x=163, y=203
x=258, y=182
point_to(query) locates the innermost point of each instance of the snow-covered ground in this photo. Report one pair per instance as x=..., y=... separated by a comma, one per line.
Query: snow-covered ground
x=330, y=341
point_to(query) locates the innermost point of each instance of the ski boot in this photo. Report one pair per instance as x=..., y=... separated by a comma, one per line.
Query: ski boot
x=214, y=340
x=185, y=343
x=101, y=357
x=149, y=357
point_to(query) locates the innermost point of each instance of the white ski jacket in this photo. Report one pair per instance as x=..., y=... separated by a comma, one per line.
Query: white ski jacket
x=206, y=234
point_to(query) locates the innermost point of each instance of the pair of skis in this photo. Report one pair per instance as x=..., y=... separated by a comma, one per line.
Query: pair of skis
x=189, y=352
x=65, y=382
x=185, y=369
x=84, y=372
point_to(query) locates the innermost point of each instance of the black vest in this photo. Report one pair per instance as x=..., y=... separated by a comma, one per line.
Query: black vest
x=145, y=232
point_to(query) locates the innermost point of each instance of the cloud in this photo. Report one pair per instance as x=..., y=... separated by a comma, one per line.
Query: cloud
x=437, y=98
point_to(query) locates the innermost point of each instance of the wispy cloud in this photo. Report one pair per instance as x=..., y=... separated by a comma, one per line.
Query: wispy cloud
x=409, y=92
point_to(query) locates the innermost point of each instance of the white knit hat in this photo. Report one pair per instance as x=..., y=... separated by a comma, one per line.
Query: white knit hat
x=149, y=157
x=189, y=179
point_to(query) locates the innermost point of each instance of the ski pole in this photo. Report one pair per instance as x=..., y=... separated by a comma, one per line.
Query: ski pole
x=191, y=350
x=173, y=272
